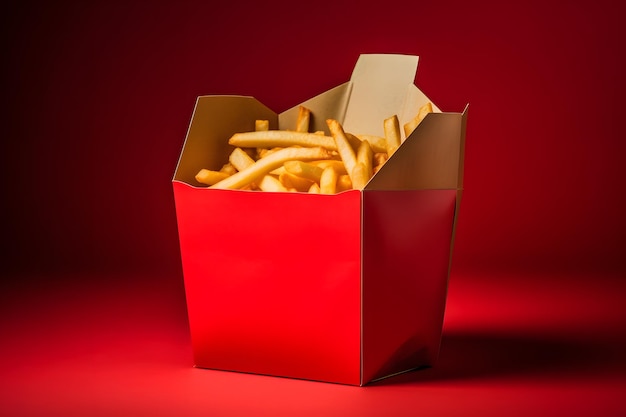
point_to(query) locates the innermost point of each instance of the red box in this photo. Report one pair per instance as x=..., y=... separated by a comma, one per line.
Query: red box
x=346, y=288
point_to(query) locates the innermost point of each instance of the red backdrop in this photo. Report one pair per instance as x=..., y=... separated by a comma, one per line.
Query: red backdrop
x=98, y=96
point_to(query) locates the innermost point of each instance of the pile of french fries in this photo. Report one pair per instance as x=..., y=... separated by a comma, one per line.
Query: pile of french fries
x=300, y=161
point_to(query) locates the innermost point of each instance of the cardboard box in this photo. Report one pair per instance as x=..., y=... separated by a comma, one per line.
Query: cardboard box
x=346, y=288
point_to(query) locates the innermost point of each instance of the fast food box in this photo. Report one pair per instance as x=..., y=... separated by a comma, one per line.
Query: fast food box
x=346, y=288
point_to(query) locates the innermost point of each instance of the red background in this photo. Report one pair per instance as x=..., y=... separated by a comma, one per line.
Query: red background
x=97, y=99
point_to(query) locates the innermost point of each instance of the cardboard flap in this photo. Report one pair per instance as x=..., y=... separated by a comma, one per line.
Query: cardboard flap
x=328, y=105
x=379, y=87
x=430, y=158
x=214, y=120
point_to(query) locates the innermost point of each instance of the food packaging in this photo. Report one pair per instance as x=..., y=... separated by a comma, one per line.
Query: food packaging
x=346, y=288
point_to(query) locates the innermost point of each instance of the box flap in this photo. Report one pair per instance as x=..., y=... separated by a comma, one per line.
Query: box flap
x=331, y=104
x=430, y=158
x=379, y=87
x=215, y=118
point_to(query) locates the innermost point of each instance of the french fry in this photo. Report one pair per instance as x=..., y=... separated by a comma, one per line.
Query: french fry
x=378, y=143
x=281, y=138
x=328, y=181
x=269, y=163
x=228, y=168
x=392, y=134
x=344, y=183
x=263, y=152
x=353, y=140
x=343, y=146
x=269, y=183
x=261, y=125
x=365, y=156
x=359, y=176
x=336, y=164
x=209, y=177
x=304, y=170
x=295, y=182
x=314, y=189
x=410, y=126
x=240, y=159
x=379, y=160
x=302, y=123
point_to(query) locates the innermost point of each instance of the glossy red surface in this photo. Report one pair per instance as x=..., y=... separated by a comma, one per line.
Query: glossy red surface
x=513, y=344
x=406, y=254
x=273, y=281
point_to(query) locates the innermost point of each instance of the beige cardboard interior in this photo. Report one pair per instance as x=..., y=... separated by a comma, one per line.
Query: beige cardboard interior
x=214, y=121
x=381, y=85
x=430, y=158
x=331, y=104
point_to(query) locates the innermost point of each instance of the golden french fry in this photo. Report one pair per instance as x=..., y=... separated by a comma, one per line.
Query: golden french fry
x=261, y=125
x=263, y=152
x=379, y=160
x=344, y=183
x=292, y=181
x=281, y=138
x=304, y=115
x=278, y=171
x=228, y=168
x=410, y=126
x=314, y=189
x=304, y=170
x=353, y=140
x=328, y=181
x=378, y=144
x=269, y=183
x=208, y=177
x=365, y=156
x=240, y=159
x=336, y=164
x=392, y=134
x=343, y=146
x=268, y=164
x=359, y=176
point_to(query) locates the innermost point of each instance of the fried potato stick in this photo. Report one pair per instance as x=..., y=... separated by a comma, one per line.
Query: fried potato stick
x=336, y=164
x=304, y=116
x=344, y=183
x=281, y=138
x=269, y=163
x=410, y=126
x=304, y=170
x=343, y=145
x=208, y=177
x=378, y=143
x=365, y=155
x=392, y=134
x=359, y=176
x=261, y=125
x=328, y=181
x=293, y=181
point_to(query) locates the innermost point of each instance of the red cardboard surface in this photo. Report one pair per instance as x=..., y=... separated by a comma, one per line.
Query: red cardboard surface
x=404, y=278
x=273, y=281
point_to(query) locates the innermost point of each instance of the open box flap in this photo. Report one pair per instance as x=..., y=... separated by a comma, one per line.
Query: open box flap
x=430, y=158
x=215, y=118
x=331, y=104
x=380, y=83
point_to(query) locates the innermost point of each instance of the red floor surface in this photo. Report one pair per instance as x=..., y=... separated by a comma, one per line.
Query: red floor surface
x=514, y=344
